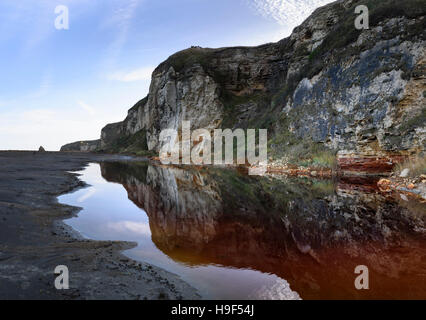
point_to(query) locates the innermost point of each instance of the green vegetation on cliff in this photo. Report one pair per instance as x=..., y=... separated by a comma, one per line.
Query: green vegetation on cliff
x=327, y=88
x=129, y=144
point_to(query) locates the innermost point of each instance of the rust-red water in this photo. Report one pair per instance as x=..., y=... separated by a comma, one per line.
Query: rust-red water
x=233, y=236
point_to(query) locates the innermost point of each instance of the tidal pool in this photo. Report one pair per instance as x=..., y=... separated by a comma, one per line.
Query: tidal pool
x=233, y=236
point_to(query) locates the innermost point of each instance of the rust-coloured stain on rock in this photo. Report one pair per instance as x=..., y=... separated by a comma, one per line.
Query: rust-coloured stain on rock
x=369, y=164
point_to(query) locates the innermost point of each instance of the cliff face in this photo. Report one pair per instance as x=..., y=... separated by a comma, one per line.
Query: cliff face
x=82, y=146
x=326, y=88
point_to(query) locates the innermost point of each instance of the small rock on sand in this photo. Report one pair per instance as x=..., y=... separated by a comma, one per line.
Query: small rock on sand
x=405, y=173
x=403, y=197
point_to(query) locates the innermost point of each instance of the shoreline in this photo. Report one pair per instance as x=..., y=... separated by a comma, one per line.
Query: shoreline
x=386, y=182
x=404, y=188
x=35, y=239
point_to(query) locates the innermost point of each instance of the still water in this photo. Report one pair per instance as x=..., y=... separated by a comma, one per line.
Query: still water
x=233, y=236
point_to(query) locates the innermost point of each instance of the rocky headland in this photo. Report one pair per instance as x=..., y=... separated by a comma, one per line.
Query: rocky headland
x=332, y=97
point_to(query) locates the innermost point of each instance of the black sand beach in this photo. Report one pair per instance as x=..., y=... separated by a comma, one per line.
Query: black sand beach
x=34, y=239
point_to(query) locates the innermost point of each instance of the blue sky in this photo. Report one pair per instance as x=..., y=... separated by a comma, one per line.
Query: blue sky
x=59, y=86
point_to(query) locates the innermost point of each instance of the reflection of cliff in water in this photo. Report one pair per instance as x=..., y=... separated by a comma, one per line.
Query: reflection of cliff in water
x=310, y=233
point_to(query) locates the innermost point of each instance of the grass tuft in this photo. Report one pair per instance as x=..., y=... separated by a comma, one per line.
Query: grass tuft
x=416, y=165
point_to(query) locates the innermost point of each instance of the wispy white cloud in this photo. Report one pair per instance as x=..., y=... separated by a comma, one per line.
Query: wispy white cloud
x=87, y=194
x=288, y=13
x=88, y=108
x=120, y=20
x=35, y=19
x=139, y=228
x=44, y=87
x=131, y=76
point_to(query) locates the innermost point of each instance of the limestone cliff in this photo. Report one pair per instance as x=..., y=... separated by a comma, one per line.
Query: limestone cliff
x=82, y=146
x=328, y=88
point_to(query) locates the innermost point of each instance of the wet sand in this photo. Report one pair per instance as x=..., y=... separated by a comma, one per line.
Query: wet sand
x=34, y=239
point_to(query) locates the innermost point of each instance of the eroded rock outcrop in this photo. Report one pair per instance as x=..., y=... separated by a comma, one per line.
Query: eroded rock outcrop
x=326, y=88
x=82, y=146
